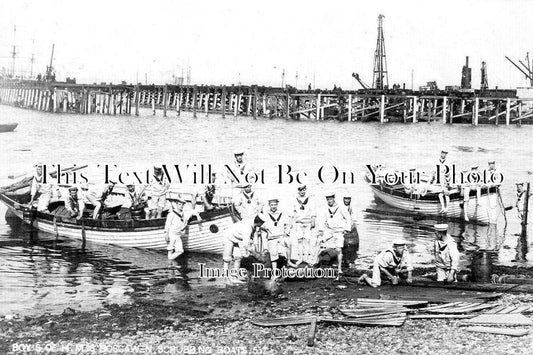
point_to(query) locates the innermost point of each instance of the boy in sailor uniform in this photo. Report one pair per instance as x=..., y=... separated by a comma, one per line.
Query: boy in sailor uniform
x=247, y=203
x=41, y=189
x=159, y=187
x=303, y=238
x=333, y=222
x=175, y=226
x=392, y=263
x=276, y=230
x=446, y=254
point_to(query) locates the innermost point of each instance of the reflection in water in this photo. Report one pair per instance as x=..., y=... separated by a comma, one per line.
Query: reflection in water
x=40, y=273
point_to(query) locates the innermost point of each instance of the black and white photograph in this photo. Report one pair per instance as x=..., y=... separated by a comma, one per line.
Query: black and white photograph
x=280, y=177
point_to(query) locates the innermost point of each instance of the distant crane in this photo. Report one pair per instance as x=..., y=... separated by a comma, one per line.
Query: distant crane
x=360, y=81
x=381, y=76
x=527, y=71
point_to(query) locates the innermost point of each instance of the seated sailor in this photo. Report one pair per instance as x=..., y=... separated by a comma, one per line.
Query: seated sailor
x=133, y=200
x=72, y=203
x=42, y=186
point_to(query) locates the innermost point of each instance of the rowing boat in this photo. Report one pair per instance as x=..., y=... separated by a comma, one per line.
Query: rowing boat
x=204, y=236
x=8, y=127
x=483, y=210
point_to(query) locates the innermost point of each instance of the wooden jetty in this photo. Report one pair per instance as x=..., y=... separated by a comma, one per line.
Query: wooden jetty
x=471, y=106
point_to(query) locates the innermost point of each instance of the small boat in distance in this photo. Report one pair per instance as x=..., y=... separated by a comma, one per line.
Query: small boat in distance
x=485, y=210
x=8, y=127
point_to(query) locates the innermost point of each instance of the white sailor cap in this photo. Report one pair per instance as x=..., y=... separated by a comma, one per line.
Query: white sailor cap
x=519, y=184
x=329, y=193
x=399, y=241
x=444, y=152
x=238, y=152
x=347, y=194
x=158, y=168
x=84, y=186
x=244, y=185
x=441, y=227
x=492, y=161
x=173, y=196
x=301, y=187
x=474, y=167
x=273, y=198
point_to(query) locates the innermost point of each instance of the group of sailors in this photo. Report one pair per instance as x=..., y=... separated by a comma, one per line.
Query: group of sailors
x=394, y=264
x=299, y=232
x=444, y=186
x=45, y=190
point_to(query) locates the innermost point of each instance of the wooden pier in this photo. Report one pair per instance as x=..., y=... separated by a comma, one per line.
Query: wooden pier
x=499, y=107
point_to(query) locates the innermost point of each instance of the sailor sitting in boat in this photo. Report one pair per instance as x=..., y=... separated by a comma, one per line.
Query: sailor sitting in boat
x=393, y=263
x=207, y=193
x=333, y=223
x=276, y=231
x=133, y=200
x=176, y=224
x=240, y=235
x=303, y=239
x=97, y=196
x=446, y=254
x=41, y=189
x=72, y=204
x=247, y=202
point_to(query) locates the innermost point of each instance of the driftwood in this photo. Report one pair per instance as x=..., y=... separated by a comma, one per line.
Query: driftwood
x=440, y=316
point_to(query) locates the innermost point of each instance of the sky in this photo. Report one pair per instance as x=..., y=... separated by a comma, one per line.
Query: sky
x=252, y=42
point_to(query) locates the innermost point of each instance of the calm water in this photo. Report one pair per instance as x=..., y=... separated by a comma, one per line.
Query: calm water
x=38, y=273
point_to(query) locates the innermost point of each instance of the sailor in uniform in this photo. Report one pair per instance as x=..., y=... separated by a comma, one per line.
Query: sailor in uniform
x=97, y=196
x=176, y=224
x=247, y=202
x=159, y=187
x=303, y=238
x=333, y=223
x=133, y=199
x=72, y=203
x=473, y=182
x=392, y=263
x=207, y=194
x=240, y=168
x=446, y=254
x=240, y=235
x=276, y=230
x=444, y=177
x=42, y=186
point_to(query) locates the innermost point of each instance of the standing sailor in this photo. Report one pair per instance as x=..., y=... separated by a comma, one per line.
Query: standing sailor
x=333, y=222
x=247, y=203
x=446, y=254
x=393, y=263
x=276, y=231
x=175, y=225
x=442, y=175
x=159, y=187
x=240, y=168
x=42, y=185
x=303, y=240
x=239, y=235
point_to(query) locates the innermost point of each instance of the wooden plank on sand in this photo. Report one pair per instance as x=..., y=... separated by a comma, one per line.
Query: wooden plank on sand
x=312, y=332
x=500, y=319
x=284, y=321
x=502, y=331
